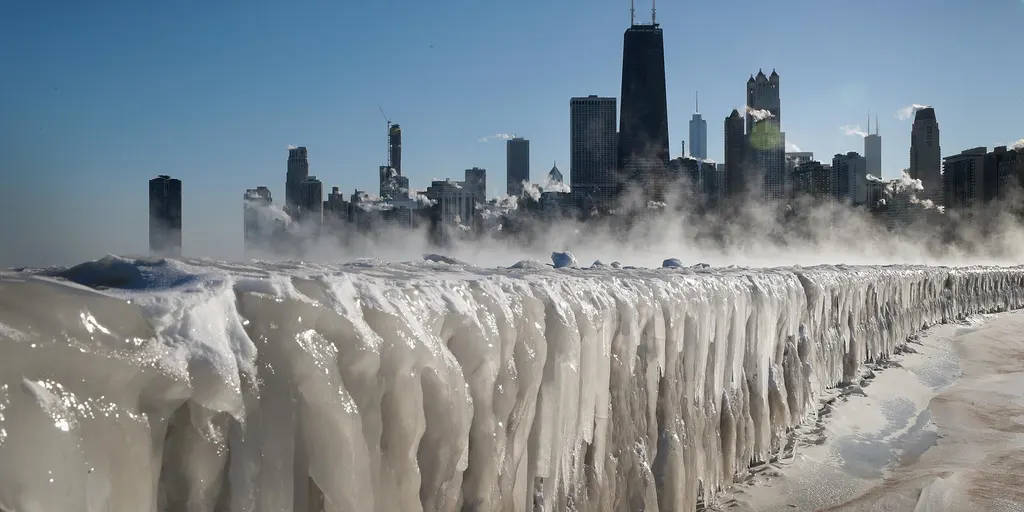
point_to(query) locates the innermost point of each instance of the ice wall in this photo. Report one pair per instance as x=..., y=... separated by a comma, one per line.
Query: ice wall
x=137, y=386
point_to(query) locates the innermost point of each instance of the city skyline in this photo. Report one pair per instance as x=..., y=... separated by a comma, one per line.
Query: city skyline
x=165, y=124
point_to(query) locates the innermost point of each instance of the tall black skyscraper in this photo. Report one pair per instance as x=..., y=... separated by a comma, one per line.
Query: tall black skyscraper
x=926, y=154
x=517, y=165
x=395, y=147
x=736, y=182
x=298, y=171
x=643, y=121
x=165, y=216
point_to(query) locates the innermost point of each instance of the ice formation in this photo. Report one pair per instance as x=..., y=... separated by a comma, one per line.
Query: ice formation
x=165, y=385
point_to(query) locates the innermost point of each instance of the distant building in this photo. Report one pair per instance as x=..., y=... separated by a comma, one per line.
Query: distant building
x=850, y=178
x=1004, y=172
x=795, y=158
x=457, y=204
x=517, y=165
x=257, y=226
x=476, y=183
x=592, y=151
x=643, y=152
x=554, y=175
x=311, y=197
x=873, y=151
x=392, y=184
x=395, y=148
x=963, y=179
x=812, y=179
x=736, y=179
x=925, y=154
x=702, y=180
x=876, y=192
x=698, y=135
x=555, y=204
x=337, y=212
x=765, y=136
x=298, y=171
x=165, y=216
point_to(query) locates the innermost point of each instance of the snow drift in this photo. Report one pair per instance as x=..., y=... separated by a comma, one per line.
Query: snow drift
x=164, y=385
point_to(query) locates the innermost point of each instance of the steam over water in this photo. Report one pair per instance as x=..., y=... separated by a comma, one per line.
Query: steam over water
x=165, y=385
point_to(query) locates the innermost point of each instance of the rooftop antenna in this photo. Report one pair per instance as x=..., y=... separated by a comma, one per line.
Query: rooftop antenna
x=869, y=122
x=654, y=12
x=876, y=124
x=388, y=119
x=696, y=101
x=632, y=13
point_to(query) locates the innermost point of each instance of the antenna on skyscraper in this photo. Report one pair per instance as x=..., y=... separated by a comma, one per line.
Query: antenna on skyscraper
x=869, y=122
x=654, y=12
x=696, y=102
x=876, y=124
x=632, y=13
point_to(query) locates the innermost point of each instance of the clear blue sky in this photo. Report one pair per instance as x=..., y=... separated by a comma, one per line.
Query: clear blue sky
x=98, y=97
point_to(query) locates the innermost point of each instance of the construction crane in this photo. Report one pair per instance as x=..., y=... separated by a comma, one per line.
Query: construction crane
x=388, y=120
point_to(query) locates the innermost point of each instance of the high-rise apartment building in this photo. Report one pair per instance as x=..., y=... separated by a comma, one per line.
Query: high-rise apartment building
x=850, y=178
x=963, y=179
x=926, y=154
x=298, y=171
x=765, y=136
x=812, y=179
x=873, y=150
x=736, y=182
x=592, y=153
x=517, y=165
x=165, y=216
x=643, y=152
x=698, y=135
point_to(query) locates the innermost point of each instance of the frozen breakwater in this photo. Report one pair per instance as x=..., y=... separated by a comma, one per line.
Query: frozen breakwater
x=141, y=386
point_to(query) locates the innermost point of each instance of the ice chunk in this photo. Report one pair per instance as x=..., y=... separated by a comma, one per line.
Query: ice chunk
x=563, y=259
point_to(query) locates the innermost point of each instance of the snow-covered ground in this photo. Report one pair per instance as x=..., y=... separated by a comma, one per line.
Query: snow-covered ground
x=435, y=385
x=938, y=428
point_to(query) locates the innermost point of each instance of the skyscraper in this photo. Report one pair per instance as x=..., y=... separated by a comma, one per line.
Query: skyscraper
x=873, y=150
x=395, y=147
x=963, y=179
x=298, y=171
x=764, y=132
x=643, y=152
x=735, y=157
x=926, y=154
x=850, y=178
x=476, y=183
x=311, y=201
x=165, y=216
x=257, y=223
x=517, y=165
x=698, y=135
x=592, y=154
